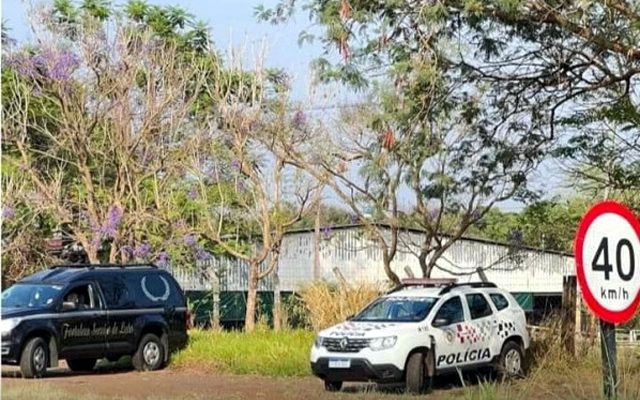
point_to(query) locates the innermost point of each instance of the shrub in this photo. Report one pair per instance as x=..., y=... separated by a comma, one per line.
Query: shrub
x=326, y=304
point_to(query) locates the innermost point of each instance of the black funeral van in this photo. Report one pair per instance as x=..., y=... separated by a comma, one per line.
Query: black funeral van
x=82, y=313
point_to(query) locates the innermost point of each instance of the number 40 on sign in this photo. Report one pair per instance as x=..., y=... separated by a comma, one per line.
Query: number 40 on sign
x=607, y=251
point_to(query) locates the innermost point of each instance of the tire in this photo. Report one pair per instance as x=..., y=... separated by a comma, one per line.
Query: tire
x=415, y=374
x=332, y=386
x=511, y=363
x=34, y=358
x=81, y=364
x=150, y=354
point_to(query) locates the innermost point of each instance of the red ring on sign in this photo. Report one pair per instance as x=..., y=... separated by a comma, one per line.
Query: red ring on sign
x=605, y=207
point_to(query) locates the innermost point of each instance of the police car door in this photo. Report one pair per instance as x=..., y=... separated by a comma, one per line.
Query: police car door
x=446, y=322
x=480, y=331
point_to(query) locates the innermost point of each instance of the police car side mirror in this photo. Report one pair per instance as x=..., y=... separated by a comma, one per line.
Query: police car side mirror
x=69, y=306
x=438, y=322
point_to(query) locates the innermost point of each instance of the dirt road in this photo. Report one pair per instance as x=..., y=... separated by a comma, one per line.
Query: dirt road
x=173, y=385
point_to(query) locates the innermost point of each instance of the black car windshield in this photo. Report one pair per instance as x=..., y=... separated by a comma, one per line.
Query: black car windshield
x=23, y=295
x=397, y=309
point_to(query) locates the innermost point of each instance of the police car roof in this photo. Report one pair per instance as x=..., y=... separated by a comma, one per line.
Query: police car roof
x=63, y=274
x=437, y=291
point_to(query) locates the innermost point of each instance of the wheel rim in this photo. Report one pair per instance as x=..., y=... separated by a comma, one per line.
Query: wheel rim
x=39, y=358
x=151, y=353
x=512, y=362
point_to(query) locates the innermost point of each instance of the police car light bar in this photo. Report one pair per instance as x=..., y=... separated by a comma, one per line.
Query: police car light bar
x=428, y=281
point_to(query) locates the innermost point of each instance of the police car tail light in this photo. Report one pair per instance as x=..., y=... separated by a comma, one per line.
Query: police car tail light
x=383, y=343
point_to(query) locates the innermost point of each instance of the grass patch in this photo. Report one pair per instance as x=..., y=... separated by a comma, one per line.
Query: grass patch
x=263, y=352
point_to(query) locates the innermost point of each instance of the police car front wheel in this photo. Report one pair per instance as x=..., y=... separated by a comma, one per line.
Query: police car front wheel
x=34, y=358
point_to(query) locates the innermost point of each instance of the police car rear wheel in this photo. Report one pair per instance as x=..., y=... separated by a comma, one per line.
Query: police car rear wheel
x=34, y=358
x=332, y=386
x=150, y=354
x=415, y=374
x=81, y=364
x=511, y=361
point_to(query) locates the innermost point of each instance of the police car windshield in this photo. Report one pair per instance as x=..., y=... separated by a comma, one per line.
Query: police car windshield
x=30, y=296
x=397, y=309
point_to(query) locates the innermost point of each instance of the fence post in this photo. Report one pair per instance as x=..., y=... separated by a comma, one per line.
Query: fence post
x=569, y=294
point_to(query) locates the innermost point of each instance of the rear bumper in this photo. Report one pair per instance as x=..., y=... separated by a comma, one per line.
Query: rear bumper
x=361, y=370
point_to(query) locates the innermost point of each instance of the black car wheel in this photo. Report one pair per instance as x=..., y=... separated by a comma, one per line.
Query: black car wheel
x=34, y=358
x=332, y=386
x=150, y=354
x=81, y=364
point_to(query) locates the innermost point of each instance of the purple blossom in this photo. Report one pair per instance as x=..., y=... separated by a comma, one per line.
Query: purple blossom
x=190, y=240
x=239, y=185
x=55, y=64
x=203, y=255
x=326, y=232
x=193, y=194
x=299, y=119
x=110, y=228
x=127, y=250
x=163, y=259
x=433, y=214
x=8, y=212
x=235, y=164
x=143, y=250
x=354, y=219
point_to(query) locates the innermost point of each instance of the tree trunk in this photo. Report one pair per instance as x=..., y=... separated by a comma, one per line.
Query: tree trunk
x=252, y=294
x=393, y=277
x=277, y=307
x=422, y=258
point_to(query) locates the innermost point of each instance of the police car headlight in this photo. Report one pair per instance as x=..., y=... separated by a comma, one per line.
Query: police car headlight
x=382, y=343
x=319, y=342
x=7, y=325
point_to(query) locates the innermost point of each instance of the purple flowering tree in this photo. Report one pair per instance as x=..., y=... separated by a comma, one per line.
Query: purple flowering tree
x=94, y=123
x=248, y=194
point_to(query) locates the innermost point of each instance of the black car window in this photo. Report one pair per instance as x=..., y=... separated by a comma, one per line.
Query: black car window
x=154, y=289
x=478, y=306
x=451, y=310
x=82, y=297
x=115, y=291
x=499, y=301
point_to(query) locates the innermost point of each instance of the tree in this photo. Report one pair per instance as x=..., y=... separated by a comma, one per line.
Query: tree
x=356, y=165
x=458, y=146
x=245, y=192
x=94, y=122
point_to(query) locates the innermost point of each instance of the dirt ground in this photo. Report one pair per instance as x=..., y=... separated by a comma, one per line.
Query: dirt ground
x=172, y=384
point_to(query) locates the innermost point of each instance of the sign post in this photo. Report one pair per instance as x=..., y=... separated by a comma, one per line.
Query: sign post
x=607, y=250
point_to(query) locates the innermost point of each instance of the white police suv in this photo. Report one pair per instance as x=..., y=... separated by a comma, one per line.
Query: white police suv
x=422, y=329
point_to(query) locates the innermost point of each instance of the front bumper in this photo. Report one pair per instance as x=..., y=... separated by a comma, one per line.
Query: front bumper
x=361, y=370
x=10, y=352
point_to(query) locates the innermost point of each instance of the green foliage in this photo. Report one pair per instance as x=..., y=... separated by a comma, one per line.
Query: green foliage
x=261, y=352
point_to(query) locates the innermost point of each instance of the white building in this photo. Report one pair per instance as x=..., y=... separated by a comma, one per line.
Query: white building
x=533, y=275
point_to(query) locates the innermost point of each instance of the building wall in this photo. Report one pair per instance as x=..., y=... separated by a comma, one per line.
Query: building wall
x=359, y=259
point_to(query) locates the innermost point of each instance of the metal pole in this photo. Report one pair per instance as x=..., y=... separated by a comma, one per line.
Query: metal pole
x=609, y=359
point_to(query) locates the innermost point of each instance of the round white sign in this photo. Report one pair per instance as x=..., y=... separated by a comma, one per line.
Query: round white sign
x=607, y=251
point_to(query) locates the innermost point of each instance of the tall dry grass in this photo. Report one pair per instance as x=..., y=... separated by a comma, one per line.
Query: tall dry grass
x=327, y=304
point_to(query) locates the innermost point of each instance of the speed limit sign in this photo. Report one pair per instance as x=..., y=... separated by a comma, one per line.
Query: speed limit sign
x=607, y=251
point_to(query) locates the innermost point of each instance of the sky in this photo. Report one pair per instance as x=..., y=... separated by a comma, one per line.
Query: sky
x=234, y=26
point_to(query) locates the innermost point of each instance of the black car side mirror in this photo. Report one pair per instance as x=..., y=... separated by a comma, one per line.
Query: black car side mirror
x=438, y=322
x=69, y=306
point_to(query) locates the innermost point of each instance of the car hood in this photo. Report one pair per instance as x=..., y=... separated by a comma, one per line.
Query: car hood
x=367, y=329
x=12, y=312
